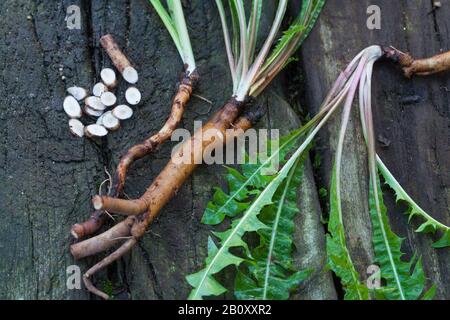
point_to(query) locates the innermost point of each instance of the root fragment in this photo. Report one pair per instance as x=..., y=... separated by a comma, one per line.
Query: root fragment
x=100, y=119
x=110, y=122
x=91, y=112
x=103, y=241
x=95, y=131
x=120, y=206
x=133, y=96
x=122, y=250
x=171, y=178
x=130, y=75
x=108, y=99
x=420, y=67
x=122, y=112
x=95, y=103
x=109, y=78
x=77, y=92
x=99, y=89
x=72, y=107
x=119, y=59
x=76, y=127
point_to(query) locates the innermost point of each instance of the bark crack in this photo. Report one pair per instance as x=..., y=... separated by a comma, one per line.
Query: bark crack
x=128, y=22
x=38, y=42
x=437, y=32
x=156, y=287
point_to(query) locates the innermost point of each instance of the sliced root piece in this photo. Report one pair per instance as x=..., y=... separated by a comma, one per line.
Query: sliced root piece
x=76, y=127
x=121, y=206
x=99, y=89
x=130, y=75
x=122, y=250
x=108, y=98
x=95, y=131
x=91, y=112
x=133, y=96
x=109, y=77
x=100, y=119
x=77, y=92
x=119, y=59
x=110, y=122
x=122, y=112
x=72, y=107
x=95, y=103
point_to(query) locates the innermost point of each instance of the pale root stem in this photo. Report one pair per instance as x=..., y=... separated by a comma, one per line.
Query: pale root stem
x=119, y=59
x=122, y=250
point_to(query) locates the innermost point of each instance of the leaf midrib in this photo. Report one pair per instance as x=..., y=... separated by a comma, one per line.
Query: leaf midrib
x=275, y=229
x=247, y=182
x=386, y=240
x=224, y=245
x=268, y=188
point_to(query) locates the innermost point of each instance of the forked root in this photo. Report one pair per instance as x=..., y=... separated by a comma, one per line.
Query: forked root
x=103, y=241
x=157, y=195
x=122, y=250
x=421, y=67
x=98, y=217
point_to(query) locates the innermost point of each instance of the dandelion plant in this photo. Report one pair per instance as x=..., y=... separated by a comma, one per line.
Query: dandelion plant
x=251, y=74
x=402, y=279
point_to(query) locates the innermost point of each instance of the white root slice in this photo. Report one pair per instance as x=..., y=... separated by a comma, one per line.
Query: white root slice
x=109, y=77
x=108, y=99
x=91, y=112
x=95, y=131
x=95, y=103
x=130, y=75
x=110, y=122
x=99, y=89
x=122, y=112
x=133, y=96
x=76, y=127
x=77, y=92
x=100, y=119
x=72, y=107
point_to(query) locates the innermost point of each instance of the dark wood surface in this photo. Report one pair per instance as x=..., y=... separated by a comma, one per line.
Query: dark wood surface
x=48, y=177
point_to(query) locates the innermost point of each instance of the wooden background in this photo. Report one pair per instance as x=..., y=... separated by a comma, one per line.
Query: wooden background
x=48, y=177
